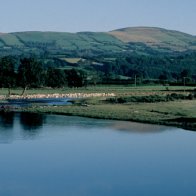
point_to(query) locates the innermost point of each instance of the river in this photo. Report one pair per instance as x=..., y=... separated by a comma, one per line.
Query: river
x=59, y=155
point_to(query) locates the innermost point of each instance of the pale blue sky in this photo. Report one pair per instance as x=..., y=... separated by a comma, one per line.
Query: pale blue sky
x=96, y=15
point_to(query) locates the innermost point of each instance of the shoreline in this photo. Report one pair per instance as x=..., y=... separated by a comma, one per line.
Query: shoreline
x=132, y=113
x=168, y=124
x=178, y=113
x=173, y=123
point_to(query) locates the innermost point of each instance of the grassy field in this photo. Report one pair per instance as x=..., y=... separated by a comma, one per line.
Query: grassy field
x=71, y=60
x=124, y=90
x=179, y=112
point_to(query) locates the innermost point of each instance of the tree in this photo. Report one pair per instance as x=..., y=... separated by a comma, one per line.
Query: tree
x=185, y=75
x=163, y=78
x=55, y=77
x=7, y=73
x=76, y=78
x=30, y=73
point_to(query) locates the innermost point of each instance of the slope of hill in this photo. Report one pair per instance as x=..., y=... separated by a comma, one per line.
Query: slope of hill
x=56, y=42
x=142, y=40
x=156, y=38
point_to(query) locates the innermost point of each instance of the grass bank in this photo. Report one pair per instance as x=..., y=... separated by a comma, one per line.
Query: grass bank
x=180, y=113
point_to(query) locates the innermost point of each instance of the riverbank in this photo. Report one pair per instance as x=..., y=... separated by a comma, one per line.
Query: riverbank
x=180, y=113
x=174, y=106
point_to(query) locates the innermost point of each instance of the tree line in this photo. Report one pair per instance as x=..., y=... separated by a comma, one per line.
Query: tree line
x=31, y=73
x=41, y=71
x=151, y=67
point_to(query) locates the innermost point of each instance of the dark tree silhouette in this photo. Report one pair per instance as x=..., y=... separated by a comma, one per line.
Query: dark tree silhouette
x=7, y=73
x=76, y=78
x=55, y=78
x=30, y=73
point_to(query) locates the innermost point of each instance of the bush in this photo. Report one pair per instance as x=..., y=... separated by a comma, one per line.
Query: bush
x=190, y=96
x=151, y=98
x=121, y=100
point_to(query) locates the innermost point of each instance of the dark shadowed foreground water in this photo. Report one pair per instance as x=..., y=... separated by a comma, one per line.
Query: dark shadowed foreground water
x=58, y=155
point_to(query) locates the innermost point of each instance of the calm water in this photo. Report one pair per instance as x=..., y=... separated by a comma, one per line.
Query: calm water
x=59, y=155
x=36, y=101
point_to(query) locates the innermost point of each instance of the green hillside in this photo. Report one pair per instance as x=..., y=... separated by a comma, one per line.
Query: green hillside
x=142, y=40
x=156, y=38
x=10, y=40
x=60, y=42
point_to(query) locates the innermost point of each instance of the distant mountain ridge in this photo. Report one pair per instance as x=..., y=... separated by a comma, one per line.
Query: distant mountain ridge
x=133, y=39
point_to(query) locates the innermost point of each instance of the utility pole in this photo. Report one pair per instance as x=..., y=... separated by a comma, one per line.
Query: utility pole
x=184, y=81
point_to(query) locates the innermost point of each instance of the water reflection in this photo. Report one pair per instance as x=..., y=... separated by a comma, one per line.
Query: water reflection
x=81, y=156
x=90, y=123
x=31, y=124
x=6, y=120
x=28, y=121
x=31, y=121
x=139, y=128
x=6, y=127
x=14, y=126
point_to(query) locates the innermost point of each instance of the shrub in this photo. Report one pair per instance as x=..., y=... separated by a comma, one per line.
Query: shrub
x=121, y=100
x=151, y=98
x=190, y=96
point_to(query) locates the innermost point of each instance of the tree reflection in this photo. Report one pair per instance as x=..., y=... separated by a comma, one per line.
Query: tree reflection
x=6, y=127
x=7, y=120
x=31, y=121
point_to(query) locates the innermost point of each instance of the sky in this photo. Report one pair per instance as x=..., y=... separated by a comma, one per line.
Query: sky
x=96, y=15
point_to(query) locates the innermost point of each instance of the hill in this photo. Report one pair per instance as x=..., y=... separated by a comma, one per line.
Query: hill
x=58, y=43
x=156, y=38
x=116, y=57
x=141, y=40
